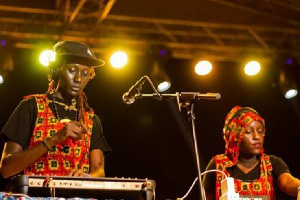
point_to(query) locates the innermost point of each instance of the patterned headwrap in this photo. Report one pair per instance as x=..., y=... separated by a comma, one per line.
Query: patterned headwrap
x=235, y=125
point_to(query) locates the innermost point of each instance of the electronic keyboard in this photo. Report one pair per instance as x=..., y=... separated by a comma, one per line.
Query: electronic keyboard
x=99, y=188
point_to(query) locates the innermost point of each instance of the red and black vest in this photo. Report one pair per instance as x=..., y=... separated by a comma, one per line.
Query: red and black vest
x=65, y=156
x=262, y=187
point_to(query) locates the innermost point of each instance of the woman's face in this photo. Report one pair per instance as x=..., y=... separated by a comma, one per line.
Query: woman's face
x=252, y=142
x=72, y=79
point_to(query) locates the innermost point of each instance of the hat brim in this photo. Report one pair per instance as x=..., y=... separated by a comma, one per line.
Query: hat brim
x=91, y=62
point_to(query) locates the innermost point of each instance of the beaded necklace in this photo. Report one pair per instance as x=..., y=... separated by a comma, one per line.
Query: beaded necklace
x=68, y=108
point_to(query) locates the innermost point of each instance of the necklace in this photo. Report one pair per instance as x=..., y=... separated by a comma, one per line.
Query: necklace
x=76, y=144
x=245, y=168
x=66, y=107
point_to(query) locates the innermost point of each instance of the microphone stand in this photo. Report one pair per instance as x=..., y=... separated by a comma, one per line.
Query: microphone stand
x=184, y=99
x=190, y=107
x=188, y=99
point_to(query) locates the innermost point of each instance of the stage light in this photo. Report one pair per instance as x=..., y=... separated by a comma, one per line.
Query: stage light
x=163, y=86
x=203, y=67
x=287, y=85
x=163, y=52
x=6, y=62
x=1, y=79
x=118, y=59
x=159, y=51
x=3, y=42
x=46, y=57
x=252, y=68
x=291, y=93
x=289, y=61
x=160, y=77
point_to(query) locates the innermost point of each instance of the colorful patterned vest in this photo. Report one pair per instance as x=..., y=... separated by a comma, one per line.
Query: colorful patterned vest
x=67, y=155
x=260, y=188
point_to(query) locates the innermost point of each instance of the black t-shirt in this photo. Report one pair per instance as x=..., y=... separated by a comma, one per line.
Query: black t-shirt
x=278, y=165
x=21, y=123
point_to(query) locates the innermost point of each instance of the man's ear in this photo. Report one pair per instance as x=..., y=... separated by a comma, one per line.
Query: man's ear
x=52, y=73
x=92, y=73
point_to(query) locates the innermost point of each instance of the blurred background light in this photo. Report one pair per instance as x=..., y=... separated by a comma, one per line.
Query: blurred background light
x=252, y=68
x=203, y=67
x=6, y=60
x=1, y=79
x=46, y=57
x=3, y=42
x=160, y=77
x=163, y=52
x=163, y=86
x=289, y=61
x=287, y=84
x=118, y=59
x=291, y=93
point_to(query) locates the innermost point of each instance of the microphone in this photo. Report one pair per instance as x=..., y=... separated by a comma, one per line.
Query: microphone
x=130, y=96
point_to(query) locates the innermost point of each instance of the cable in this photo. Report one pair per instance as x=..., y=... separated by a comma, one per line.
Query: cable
x=208, y=171
x=47, y=183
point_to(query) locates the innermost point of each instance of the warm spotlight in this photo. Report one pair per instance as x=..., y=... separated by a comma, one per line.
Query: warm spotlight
x=46, y=57
x=118, y=59
x=203, y=67
x=252, y=68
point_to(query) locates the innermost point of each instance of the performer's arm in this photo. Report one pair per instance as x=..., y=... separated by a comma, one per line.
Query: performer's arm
x=15, y=160
x=288, y=184
x=96, y=163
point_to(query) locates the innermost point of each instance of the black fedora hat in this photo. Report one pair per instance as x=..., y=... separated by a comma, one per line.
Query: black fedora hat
x=76, y=52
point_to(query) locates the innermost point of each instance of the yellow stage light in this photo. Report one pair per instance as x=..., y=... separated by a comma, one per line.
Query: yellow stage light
x=203, y=67
x=46, y=57
x=252, y=68
x=118, y=59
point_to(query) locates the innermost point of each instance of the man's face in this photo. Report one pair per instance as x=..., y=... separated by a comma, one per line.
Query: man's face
x=72, y=79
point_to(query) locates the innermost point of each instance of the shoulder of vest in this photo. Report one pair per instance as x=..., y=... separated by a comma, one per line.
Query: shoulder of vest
x=222, y=161
x=36, y=96
x=266, y=157
x=220, y=157
x=89, y=114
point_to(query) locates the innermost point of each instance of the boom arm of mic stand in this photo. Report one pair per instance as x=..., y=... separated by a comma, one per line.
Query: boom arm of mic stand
x=182, y=95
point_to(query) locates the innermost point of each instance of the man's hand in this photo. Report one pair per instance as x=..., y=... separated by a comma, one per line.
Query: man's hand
x=73, y=129
x=77, y=173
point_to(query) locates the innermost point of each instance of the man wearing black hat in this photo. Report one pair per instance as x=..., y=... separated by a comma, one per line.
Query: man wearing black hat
x=57, y=133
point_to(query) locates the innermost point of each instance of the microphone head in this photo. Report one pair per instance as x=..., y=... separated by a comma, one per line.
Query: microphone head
x=127, y=99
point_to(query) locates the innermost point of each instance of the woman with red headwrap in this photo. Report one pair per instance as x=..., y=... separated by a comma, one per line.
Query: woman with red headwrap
x=256, y=174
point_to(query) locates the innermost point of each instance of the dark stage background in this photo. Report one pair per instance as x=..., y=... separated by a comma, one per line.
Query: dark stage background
x=148, y=137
